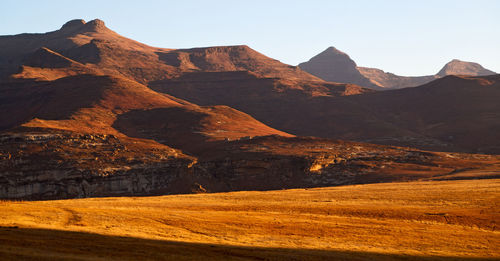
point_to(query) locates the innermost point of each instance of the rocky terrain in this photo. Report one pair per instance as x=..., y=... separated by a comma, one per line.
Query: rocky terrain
x=336, y=66
x=41, y=164
x=49, y=165
x=85, y=112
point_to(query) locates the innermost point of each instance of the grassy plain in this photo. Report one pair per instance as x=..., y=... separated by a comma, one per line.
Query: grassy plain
x=442, y=220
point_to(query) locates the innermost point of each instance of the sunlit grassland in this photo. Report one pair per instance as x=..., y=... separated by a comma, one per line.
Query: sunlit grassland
x=434, y=219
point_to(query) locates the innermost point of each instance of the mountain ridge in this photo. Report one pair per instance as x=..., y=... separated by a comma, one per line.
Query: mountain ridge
x=112, y=53
x=346, y=70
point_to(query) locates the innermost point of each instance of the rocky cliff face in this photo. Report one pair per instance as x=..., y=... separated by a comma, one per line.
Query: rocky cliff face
x=41, y=165
x=50, y=165
x=66, y=165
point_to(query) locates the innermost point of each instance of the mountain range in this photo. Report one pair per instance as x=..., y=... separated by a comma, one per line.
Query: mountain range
x=87, y=112
x=336, y=66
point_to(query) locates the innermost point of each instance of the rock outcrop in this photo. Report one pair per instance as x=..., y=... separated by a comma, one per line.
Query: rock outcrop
x=55, y=165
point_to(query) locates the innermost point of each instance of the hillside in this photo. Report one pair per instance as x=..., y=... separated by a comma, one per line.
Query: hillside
x=449, y=114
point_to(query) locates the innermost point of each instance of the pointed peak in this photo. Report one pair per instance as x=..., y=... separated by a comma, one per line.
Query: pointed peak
x=334, y=50
x=332, y=53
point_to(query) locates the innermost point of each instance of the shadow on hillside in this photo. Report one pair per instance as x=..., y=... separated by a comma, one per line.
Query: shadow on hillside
x=43, y=244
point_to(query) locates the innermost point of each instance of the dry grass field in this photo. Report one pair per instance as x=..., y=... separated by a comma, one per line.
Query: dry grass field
x=435, y=220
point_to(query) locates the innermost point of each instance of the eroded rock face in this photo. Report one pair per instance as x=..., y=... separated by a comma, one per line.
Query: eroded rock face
x=71, y=165
x=48, y=166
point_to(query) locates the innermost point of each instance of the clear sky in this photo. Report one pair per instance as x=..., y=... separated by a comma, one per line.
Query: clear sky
x=399, y=36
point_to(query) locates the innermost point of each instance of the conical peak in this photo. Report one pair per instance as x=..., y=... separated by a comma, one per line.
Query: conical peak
x=334, y=56
x=333, y=50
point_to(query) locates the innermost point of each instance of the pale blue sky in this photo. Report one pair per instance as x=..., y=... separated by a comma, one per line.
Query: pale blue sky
x=403, y=37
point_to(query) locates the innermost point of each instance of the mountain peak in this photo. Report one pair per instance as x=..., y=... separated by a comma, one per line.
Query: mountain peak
x=458, y=67
x=332, y=48
x=80, y=24
x=336, y=66
x=333, y=51
x=73, y=24
x=96, y=24
x=332, y=54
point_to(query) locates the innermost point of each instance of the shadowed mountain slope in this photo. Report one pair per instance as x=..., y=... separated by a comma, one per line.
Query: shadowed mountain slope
x=89, y=103
x=448, y=114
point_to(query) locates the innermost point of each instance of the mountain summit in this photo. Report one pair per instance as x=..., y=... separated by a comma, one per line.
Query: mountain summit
x=457, y=67
x=336, y=66
x=76, y=23
x=93, y=25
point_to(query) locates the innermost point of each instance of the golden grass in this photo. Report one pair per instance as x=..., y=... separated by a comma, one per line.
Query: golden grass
x=433, y=219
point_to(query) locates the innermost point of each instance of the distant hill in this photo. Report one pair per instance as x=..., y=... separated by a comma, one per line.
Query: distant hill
x=453, y=113
x=336, y=66
x=457, y=67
